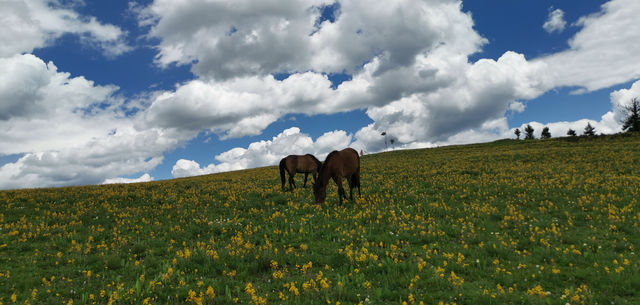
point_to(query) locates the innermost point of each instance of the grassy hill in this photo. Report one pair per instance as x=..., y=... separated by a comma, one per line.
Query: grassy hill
x=537, y=222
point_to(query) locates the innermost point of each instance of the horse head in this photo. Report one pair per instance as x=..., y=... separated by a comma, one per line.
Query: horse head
x=319, y=192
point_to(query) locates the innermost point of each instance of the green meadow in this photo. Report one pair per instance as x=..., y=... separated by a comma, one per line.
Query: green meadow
x=517, y=222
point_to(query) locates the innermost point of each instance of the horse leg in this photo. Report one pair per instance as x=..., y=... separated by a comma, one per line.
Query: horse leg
x=292, y=183
x=351, y=181
x=282, y=173
x=341, y=192
x=305, y=180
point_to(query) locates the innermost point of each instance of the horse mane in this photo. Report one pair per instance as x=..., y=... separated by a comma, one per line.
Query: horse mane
x=322, y=166
x=330, y=156
x=315, y=160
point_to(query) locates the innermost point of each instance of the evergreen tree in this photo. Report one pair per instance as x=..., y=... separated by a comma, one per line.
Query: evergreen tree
x=589, y=130
x=545, y=133
x=517, y=132
x=571, y=132
x=632, y=121
x=528, y=133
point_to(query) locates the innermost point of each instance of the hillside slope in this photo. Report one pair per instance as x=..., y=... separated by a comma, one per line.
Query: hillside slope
x=546, y=221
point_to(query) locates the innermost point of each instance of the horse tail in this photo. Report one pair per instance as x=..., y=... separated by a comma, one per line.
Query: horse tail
x=282, y=167
x=356, y=177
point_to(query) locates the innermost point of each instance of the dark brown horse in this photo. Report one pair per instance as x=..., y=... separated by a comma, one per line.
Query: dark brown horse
x=338, y=165
x=298, y=164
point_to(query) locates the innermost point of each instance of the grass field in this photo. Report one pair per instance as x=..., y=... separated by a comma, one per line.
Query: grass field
x=523, y=222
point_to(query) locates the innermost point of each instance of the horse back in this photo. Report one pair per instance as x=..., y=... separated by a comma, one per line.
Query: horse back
x=346, y=162
x=291, y=161
x=352, y=161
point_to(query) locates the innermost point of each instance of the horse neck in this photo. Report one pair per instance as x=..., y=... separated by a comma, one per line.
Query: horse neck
x=323, y=175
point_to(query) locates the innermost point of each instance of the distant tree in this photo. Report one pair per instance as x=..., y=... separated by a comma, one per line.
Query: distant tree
x=571, y=132
x=384, y=134
x=517, y=132
x=545, y=133
x=529, y=133
x=589, y=130
x=632, y=121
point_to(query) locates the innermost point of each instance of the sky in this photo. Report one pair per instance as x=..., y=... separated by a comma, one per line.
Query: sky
x=95, y=92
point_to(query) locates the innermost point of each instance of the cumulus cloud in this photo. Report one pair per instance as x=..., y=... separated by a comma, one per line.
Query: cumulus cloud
x=65, y=128
x=263, y=153
x=144, y=178
x=555, y=21
x=226, y=39
x=30, y=24
x=481, y=93
x=188, y=168
x=401, y=52
x=516, y=106
x=605, y=51
x=120, y=153
x=606, y=125
x=36, y=97
x=238, y=107
x=69, y=130
x=622, y=98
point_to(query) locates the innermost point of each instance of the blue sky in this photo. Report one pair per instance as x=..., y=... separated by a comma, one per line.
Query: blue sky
x=125, y=91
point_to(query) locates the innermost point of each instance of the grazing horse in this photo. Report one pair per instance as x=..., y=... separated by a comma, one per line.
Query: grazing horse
x=339, y=164
x=298, y=164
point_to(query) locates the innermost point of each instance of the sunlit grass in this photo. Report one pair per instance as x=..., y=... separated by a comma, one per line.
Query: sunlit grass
x=537, y=222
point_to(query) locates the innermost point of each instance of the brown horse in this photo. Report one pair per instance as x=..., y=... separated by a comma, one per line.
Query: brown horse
x=339, y=164
x=298, y=164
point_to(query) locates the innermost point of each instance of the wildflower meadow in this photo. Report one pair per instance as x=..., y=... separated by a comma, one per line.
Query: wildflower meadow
x=523, y=222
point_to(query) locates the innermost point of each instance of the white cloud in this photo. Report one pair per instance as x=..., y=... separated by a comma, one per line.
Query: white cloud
x=231, y=38
x=238, y=107
x=555, y=22
x=370, y=139
x=122, y=153
x=144, y=178
x=69, y=130
x=263, y=153
x=70, y=167
x=226, y=39
x=606, y=125
x=516, y=106
x=187, y=168
x=409, y=49
x=481, y=93
x=488, y=131
x=429, y=73
x=605, y=52
x=622, y=98
x=36, y=97
x=31, y=24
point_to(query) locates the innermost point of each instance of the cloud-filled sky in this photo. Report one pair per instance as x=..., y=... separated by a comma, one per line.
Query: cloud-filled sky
x=124, y=91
